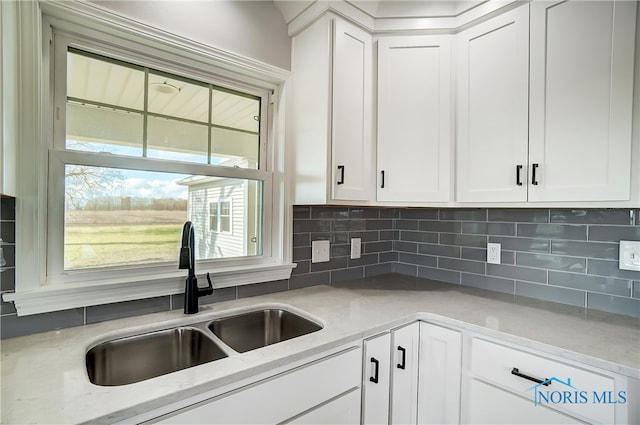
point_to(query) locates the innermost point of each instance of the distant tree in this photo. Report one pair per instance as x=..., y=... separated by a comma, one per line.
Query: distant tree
x=83, y=183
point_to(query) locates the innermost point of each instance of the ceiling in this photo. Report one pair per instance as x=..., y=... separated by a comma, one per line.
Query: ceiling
x=387, y=8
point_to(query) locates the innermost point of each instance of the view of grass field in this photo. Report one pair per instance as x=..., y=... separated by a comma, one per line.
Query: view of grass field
x=115, y=238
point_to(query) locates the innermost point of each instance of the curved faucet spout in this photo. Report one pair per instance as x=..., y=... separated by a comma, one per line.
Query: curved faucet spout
x=187, y=249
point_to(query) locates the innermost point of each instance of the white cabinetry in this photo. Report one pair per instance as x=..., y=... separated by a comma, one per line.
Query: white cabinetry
x=325, y=389
x=390, y=378
x=582, y=59
x=440, y=374
x=414, y=119
x=580, y=96
x=508, y=385
x=493, y=109
x=332, y=113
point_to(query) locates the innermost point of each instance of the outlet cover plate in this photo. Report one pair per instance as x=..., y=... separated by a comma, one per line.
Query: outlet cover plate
x=320, y=251
x=493, y=253
x=356, y=248
x=629, y=256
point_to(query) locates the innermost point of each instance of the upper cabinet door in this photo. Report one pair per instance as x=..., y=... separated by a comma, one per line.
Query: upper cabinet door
x=582, y=58
x=414, y=119
x=352, y=113
x=493, y=109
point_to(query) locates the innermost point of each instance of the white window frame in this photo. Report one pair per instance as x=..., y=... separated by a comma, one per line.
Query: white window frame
x=42, y=285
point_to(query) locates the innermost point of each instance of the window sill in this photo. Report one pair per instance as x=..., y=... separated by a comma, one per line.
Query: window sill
x=68, y=296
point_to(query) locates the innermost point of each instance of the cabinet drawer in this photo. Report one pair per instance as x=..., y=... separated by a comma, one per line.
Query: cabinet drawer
x=585, y=394
x=279, y=398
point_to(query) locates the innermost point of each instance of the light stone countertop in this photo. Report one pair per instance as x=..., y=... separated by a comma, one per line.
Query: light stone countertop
x=44, y=378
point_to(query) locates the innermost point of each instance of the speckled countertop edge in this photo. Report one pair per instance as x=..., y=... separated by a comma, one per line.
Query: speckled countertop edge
x=44, y=379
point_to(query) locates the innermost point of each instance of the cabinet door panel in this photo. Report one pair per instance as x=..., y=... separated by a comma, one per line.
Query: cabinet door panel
x=414, y=118
x=582, y=57
x=490, y=405
x=439, y=376
x=344, y=410
x=404, y=375
x=493, y=109
x=375, y=395
x=352, y=113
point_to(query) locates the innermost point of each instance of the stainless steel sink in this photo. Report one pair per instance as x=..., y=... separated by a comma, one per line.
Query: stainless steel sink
x=260, y=328
x=139, y=357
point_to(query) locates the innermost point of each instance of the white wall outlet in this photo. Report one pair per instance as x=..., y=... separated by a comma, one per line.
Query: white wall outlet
x=356, y=248
x=629, y=255
x=320, y=251
x=493, y=253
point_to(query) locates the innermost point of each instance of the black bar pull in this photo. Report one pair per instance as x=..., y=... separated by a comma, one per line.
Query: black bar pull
x=376, y=363
x=544, y=382
x=341, y=168
x=518, y=179
x=534, y=167
x=403, y=362
x=382, y=183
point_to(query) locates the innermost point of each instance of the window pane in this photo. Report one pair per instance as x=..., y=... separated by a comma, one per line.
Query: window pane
x=94, y=129
x=177, y=140
x=239, y=232
x=117, y=217
x=234, y=148
x=104, y=82
x=177, y=98
x=234, y=111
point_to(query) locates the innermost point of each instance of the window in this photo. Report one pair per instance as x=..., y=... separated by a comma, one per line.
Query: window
x=220, y=216
x=131, y=136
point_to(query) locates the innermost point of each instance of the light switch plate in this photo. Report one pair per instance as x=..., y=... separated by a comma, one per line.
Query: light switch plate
x=493, y=253
x=320, y=251
x=629, y=257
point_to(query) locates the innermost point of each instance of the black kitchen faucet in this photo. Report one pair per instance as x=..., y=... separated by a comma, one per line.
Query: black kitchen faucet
x=188, y=261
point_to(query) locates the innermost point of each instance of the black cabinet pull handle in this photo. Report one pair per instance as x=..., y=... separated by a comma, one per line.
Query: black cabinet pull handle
x=382, y=183
x=341, y=168
x=403, y=362
x=376, y=363
x=544, y=382
x=518, y=179
x=534, y=167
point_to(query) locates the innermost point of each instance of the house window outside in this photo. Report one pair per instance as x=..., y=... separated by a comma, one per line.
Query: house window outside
x=220, y=217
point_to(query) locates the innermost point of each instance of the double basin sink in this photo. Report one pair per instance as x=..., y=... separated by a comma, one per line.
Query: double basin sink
x=139, y=357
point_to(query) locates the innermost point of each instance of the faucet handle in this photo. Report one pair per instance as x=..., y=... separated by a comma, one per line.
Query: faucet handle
x=208, y=290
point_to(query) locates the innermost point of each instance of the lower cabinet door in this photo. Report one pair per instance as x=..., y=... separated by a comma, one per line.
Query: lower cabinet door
x=439, y=375
x=279, y=398
x=405, y=342
x=490, y=405
x=343, y=410
x=375, y=385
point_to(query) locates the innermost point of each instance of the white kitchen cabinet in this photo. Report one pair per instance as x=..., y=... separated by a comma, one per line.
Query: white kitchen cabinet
x=414, y=119
x=491, y=405
x=571, y=64
x=375, y=380
x=405, y=345
x=332, y=113
x=581, y=82
x=492, y=108
x=509, y=384
x=288, y=396
x=440, y=375
x=343, y=410
x=390, y=378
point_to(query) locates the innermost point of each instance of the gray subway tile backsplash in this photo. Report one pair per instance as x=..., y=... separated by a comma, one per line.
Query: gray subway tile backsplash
x=606, y=285
x=551, y=262
x=575, y=249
